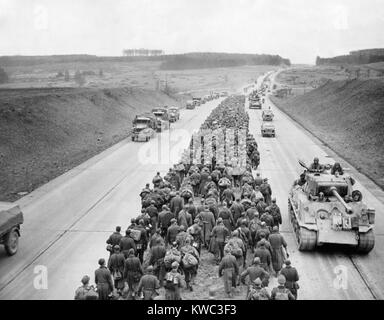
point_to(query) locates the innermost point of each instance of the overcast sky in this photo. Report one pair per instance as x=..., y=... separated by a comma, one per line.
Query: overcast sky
x=295, y=29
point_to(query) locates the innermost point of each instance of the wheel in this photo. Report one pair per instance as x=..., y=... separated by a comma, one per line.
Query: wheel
x=306, y=238
x=146, y=139
x=133, y=138
x=11, y=241
x=366, y=242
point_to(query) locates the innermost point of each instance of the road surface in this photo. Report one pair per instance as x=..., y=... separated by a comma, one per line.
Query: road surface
x=68, y=220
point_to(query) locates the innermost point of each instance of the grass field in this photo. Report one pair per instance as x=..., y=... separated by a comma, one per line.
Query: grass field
x=141, y=74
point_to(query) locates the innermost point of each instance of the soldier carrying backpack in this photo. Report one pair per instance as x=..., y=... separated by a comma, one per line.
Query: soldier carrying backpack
x=257, y=292
x=281, y=292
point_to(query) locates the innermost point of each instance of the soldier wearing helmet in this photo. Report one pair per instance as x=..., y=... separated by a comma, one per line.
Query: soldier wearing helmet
x=316, y=166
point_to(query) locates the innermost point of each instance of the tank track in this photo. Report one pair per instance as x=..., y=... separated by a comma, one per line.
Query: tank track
x=366, y=242
x=306, y=239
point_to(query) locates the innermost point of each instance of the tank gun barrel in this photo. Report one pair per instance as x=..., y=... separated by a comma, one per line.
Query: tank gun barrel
x=336, y=194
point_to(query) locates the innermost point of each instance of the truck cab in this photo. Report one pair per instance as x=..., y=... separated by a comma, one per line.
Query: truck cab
x=143, y=128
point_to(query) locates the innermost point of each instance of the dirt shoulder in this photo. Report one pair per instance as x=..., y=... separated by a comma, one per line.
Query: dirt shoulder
x=347, y=116
x=46, y=132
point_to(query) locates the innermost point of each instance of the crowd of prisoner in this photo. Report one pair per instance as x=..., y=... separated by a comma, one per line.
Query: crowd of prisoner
x=235, y=218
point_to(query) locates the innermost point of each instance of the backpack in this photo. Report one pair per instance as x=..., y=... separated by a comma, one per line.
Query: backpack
x=253, y=226
x=135, y=234
x=91, y=294
x=258, y=294
x=171, y=256
x=282, y=294
x=170, y=282
x=189, y=260
x=235, y=249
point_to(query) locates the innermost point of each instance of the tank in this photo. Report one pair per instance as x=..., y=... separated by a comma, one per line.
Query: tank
x=326, y=210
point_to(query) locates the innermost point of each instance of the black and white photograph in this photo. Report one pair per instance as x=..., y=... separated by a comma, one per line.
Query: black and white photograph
x=192, y=151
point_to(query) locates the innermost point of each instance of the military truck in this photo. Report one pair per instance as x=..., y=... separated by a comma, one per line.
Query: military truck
x=197, y=101
x=268, y=129
x=190, y=105
x=174, y=114
x=162, y=118
x=326, y=210
x=11, y=218
x=254, y=104
x=144, y=127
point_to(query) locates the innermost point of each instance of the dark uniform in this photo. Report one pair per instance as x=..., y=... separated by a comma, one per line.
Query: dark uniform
x=132, y=273
x=220, y=233
x=114, y=239
x=127, y=243
x=116, y=265
x=230, y=270
x=291, y=275
x=148, y=285
x=103, y=280
x=265, y=257
x=153, y=214
x=176, y=205
x=157, y=255
x=172, y=233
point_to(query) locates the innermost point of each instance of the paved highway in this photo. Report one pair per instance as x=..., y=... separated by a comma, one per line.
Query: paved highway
x=68, y=220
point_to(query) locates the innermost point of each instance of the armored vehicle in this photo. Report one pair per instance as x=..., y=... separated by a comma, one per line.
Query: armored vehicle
x=11, y=218
x=326, y=210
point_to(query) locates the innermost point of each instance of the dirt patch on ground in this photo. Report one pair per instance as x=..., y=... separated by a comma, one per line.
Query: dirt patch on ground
x=46, y=132
x=348, y=116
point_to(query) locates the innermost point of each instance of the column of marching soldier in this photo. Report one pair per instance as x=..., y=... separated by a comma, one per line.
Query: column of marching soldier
x=236, y=221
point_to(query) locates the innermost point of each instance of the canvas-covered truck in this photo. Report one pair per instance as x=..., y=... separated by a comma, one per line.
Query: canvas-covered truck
x=268, y=129
x=190, y=105
x=197, y=101
x=144, y=127
x=11, y=218
x=162, y=118
x=174, y=114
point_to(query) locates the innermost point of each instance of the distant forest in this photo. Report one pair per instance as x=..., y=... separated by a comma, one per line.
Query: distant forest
x=182, y=61
x=355, y=57
x=219, y=60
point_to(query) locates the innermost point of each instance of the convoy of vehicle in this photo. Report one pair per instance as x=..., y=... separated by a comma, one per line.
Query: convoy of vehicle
x=327, y=210
x=11, y=218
